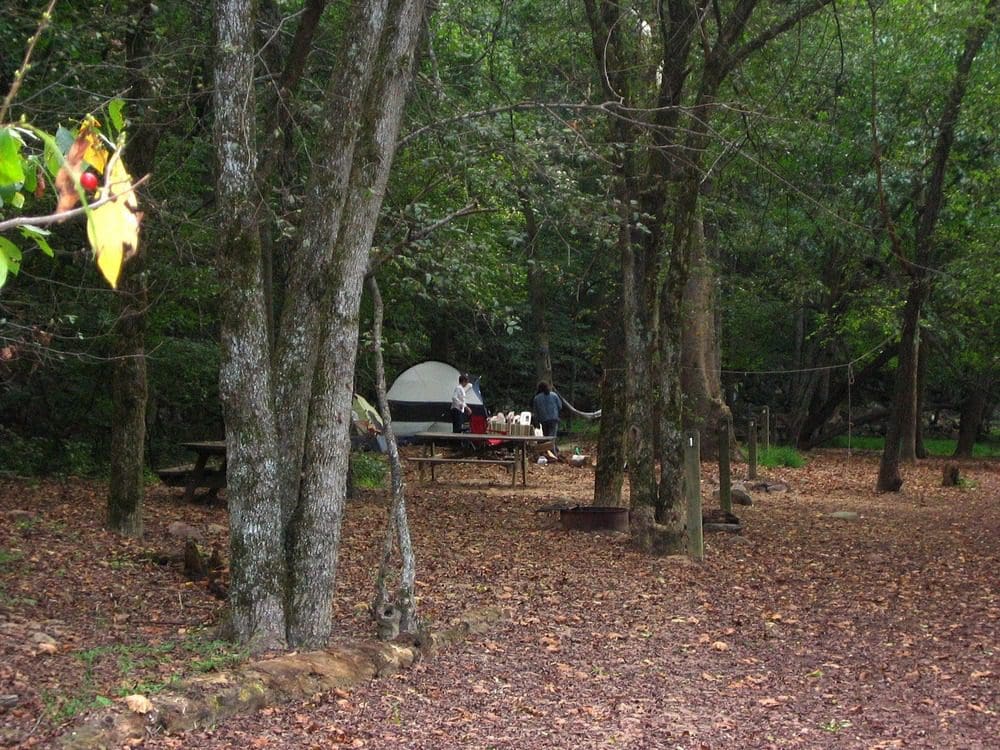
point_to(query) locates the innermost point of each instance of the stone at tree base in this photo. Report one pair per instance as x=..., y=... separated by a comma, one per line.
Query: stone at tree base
x=739, y=495
x=184, y=531
x=206, y=700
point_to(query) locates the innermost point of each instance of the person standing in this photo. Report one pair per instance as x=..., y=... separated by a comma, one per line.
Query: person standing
x=545, y=406
x=459, y=409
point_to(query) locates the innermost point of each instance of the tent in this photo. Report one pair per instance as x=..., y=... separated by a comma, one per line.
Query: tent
x=420, y=398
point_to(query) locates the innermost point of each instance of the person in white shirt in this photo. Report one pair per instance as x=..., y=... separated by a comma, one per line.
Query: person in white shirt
x=459, y=409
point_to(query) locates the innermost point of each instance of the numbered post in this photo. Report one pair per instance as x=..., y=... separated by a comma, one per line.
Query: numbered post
x=752, y=469
x=767, y=428
x=692, y=488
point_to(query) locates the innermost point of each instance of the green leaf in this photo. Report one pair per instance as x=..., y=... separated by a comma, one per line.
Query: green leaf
x=38, y=235
x=64, y=139
x=17, y=201
x=115, y=107
x=10, y=259
x=11, y=171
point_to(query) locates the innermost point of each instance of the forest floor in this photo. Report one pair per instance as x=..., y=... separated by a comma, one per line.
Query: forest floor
x=806, y=631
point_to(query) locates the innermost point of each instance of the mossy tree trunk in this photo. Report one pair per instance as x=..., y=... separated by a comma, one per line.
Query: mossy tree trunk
x=287, y=408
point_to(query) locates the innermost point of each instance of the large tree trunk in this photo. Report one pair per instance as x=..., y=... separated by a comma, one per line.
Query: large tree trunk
x=701, y=379
x=908, y=416
x=257, y=560
x=306, y=299
x=973, y=409
x=128, y=377
x=315, y=538
x=128, y=405
x=904, y=402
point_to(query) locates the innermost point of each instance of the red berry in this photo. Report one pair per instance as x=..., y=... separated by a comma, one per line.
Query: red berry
x=89, y=182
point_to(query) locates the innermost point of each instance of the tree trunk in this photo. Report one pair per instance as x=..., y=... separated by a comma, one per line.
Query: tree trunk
x=657, y=193
x=536, y=293
x=609, y=475
x=973, y=409
x=256, y=593
x=923, y=352
x=128, y=378
x=909, y=416
x=314, y=538
x=889, y=479
x=701, y=380
x=398, y=525
x=307, y=296
x=931, y=196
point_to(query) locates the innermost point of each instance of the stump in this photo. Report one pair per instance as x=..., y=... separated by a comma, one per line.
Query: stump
x=950, y=476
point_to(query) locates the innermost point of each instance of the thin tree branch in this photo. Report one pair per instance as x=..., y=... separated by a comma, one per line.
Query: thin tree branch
x=743, y=52
x=21, y=72
x=59, y=218
x=377, y=261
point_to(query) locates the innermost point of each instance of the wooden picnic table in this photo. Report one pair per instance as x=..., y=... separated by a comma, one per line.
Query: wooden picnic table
x=520, y=444
x=199, y=475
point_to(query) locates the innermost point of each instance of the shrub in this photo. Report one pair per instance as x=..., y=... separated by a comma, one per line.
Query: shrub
x=368, y=469
x=781, y=455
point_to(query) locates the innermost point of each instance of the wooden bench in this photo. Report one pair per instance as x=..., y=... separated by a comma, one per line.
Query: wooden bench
x=177, y=476
x=433, y=461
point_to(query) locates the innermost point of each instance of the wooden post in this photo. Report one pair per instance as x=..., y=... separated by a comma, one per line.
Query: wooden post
x=767, y=429
x=752, y=469
x=725, y=483
x=692, y=488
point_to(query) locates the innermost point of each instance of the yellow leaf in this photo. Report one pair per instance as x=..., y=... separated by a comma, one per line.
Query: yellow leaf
x=96, y=154
x=113, y=228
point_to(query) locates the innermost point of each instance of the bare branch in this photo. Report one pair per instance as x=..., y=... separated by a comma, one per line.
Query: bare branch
x=59, y=218
x=381, y=259
x=21, y=72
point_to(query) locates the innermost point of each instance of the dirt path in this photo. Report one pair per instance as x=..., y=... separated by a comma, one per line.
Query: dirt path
x=808, y=631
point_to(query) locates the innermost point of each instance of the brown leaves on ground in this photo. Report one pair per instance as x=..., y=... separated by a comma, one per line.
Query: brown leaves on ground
x=806, y=631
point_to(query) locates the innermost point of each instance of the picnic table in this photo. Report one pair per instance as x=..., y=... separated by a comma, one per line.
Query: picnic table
x=193, y=477
x=519, y=443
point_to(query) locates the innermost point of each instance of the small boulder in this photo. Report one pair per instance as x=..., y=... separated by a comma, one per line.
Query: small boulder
x=845, y=515
x=184, y=531
x=739, y=495
x=16, y=515
x=40, y=637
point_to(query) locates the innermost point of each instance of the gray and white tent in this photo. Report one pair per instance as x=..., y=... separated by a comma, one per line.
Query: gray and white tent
x=420, y=398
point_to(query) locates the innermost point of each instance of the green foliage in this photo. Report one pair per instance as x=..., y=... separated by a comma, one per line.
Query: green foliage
x=780, y=455
x=941, y=447
x=369, y=469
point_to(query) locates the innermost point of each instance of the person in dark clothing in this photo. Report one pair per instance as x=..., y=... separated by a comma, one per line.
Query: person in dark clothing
x=545, y=407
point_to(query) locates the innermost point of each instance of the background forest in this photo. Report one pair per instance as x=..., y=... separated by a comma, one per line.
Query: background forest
x=498, y=236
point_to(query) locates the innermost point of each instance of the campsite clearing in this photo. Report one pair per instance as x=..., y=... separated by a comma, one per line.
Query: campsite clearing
x=806, y=631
